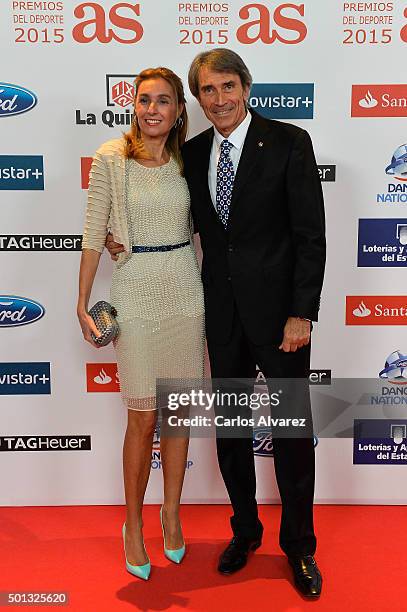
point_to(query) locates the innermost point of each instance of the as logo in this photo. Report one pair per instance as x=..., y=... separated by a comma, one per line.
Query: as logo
x=119, y=25
x=260, y=21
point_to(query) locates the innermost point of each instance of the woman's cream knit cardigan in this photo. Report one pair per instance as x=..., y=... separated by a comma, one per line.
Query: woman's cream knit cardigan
x=106, y=209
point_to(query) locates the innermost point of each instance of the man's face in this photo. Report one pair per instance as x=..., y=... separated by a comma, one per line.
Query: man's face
x=223, y=99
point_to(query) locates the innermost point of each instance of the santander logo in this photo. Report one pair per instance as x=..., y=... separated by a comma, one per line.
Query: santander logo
x=379, y=100
x=368, y=101
x=102, y=378
x=376, y=310
x=362, y=310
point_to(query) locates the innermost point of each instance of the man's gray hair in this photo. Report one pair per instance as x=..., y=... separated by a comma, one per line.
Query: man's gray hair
x=218, y=60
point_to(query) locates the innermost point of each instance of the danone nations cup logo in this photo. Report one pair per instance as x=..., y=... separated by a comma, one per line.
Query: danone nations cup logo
x=395, y=368
x=398, y=164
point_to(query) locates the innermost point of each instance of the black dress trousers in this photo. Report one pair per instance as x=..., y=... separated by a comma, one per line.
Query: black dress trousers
x=294, y=459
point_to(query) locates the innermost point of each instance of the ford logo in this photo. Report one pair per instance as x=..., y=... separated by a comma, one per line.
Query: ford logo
x=263, y=442
x=16, y=311
x=15, y=100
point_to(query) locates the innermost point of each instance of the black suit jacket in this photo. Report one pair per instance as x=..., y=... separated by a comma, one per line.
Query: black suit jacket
x=269, y=263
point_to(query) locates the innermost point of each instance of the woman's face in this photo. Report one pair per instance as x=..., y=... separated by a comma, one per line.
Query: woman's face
x=156, y=108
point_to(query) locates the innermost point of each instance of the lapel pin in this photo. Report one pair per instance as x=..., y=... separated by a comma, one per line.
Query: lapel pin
x=260, y=143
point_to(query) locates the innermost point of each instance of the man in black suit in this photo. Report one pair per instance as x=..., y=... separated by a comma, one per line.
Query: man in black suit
x=257, y=205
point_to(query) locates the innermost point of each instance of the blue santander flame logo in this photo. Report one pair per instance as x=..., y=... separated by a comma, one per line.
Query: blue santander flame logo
x=15, y=100
x=15, y=311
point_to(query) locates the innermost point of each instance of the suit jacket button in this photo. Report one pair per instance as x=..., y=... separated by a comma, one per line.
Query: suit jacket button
x=230, y=248
x=229, y=278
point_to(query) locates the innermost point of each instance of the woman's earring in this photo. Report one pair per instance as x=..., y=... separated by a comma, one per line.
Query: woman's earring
x=179, y=123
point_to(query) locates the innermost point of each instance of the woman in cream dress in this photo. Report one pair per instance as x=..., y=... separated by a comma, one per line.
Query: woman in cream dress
x=137, y=191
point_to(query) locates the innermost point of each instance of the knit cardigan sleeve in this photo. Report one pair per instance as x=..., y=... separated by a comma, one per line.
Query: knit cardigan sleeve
x=99, y=205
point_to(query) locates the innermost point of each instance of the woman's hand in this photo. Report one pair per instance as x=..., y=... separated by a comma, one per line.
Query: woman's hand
x=88, y=327
x=113, y=247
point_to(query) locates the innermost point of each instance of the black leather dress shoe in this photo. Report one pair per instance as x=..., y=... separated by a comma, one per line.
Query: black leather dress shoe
x=307, y=576
x=234, y=557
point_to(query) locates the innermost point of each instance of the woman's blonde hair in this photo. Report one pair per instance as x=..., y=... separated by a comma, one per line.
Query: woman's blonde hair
x=134, y=146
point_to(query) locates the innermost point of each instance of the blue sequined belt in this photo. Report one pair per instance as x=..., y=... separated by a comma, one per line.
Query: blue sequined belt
x=163, y=247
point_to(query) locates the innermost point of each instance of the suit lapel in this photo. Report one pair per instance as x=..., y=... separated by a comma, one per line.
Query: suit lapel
x=205, y=153
x=253, y=149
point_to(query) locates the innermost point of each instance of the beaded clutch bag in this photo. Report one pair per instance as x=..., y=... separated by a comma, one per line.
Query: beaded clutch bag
x=104, y=315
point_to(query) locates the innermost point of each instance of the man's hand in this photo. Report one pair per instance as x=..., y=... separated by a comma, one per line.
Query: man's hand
x=297, y=333
x=113, y=247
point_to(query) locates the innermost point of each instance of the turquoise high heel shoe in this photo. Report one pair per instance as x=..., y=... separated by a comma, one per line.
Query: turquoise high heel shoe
x=176, y=555
x=141, y=571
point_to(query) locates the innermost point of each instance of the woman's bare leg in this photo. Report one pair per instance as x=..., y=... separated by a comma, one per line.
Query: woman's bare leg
x=174, y=452
x=136, y=470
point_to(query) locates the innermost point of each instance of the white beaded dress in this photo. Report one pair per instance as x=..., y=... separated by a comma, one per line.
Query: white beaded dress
x=158, y=295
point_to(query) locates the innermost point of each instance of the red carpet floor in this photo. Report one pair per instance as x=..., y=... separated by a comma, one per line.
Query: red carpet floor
x=361, y=552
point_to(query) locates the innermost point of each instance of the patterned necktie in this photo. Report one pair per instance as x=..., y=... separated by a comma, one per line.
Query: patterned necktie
x=224, y=182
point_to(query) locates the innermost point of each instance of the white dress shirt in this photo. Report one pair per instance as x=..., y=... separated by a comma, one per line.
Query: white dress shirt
x=236, y=138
